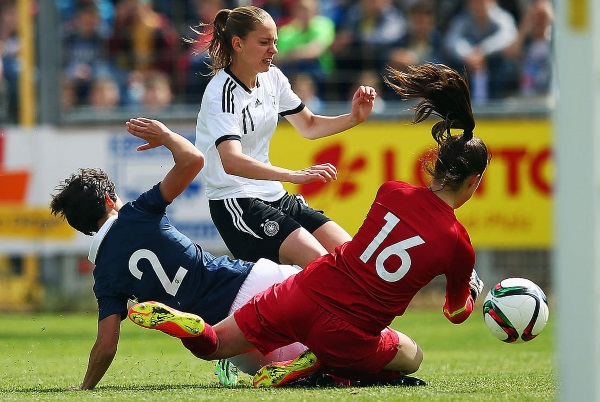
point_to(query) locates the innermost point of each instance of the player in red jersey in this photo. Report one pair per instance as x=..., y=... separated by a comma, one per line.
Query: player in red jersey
x=342, y=304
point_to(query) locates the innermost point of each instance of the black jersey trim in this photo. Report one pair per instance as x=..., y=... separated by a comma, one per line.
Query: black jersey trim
x=227, y=97
x=228, y=137
x=246, y=114
x=293, y=111
x=240, y=83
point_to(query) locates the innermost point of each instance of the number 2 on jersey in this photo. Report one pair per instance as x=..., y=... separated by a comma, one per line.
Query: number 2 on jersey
x=398, y=249
x=170, y=287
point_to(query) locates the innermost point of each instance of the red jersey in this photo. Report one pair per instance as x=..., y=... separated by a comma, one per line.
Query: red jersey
x=409, y=237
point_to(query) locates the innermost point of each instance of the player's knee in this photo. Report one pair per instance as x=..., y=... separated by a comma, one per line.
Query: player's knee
x=408, y=359
x=415, y=363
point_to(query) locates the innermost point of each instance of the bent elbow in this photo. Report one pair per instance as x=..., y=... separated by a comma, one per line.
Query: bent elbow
x=229, y=170
x=230, y=167
x=198, y=162
x=308, y=136
x=309, y=133
x=192, y=163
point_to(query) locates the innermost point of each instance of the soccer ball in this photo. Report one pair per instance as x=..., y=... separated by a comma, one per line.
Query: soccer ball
x=515, y=310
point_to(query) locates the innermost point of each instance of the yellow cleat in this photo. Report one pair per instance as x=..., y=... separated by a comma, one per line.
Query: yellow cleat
x=280, y=373
x=155, y=315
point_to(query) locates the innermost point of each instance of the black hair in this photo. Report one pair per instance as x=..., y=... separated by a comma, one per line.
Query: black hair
x=80, y=199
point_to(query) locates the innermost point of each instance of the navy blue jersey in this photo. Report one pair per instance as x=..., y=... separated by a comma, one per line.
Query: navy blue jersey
x=141, y=255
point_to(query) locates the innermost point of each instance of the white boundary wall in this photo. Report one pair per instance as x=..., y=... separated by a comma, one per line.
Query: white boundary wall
x=51, y=155
x=577, y=139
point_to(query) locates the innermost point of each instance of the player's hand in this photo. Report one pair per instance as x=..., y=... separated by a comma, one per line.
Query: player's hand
x=325, y=173
x=476, y=285
x=152, y=131
x=362, y=103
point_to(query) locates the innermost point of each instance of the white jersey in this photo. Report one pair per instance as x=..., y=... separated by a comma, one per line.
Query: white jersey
x=232, y=111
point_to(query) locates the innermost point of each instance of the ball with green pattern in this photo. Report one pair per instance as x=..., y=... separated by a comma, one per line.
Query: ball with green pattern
x=515, y=310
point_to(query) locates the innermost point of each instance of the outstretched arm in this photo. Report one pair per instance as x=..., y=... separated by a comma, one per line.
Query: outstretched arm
x=461, y=296
x=237, y=163
x=313, y=126
x=188, y=159
x=462, y=283
x=103, y=351
x=458, y=306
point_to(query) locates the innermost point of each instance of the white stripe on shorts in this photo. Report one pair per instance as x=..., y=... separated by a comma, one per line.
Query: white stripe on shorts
x=235, y=211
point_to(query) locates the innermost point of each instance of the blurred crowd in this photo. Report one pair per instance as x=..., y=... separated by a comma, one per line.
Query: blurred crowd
x=144, y=54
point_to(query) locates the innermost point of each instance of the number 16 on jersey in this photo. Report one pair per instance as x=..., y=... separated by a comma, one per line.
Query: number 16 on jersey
x=399, y=249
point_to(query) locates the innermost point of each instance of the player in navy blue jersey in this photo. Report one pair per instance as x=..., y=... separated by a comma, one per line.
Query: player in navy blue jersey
x=139, y=255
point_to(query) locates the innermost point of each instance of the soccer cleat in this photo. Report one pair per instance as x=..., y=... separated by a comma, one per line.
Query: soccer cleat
x=226, y=372
x=408, y=381
x=155, y=315
x=320, y=380
x=402, y=381
x=280, y=373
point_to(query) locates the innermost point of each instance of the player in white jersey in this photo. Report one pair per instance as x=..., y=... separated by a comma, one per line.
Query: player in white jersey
x=238, y=116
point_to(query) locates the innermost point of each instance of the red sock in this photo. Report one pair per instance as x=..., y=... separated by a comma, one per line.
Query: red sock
x=203, y=345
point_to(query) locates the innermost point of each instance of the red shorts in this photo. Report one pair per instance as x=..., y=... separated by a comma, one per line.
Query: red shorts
x=283, y=314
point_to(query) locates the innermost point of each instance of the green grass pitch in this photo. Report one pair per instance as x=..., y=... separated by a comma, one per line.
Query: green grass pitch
x=41, y=355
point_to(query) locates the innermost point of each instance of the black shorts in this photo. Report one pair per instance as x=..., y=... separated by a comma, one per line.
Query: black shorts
x=252, y=228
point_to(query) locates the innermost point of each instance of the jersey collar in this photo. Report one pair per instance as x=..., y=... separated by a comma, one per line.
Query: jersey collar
x=98, y=237
x=240, y=83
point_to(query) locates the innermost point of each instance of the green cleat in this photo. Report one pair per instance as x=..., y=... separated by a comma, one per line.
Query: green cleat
x=155, y=315
x=226, y=372
x=281, y=373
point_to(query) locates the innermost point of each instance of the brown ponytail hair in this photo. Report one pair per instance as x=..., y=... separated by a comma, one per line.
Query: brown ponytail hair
x=444, y=93
x=229, y=23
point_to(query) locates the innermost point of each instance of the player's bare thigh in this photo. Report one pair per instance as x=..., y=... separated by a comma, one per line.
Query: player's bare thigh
x=409, y=356
x=331, y=235
x=300, y=248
